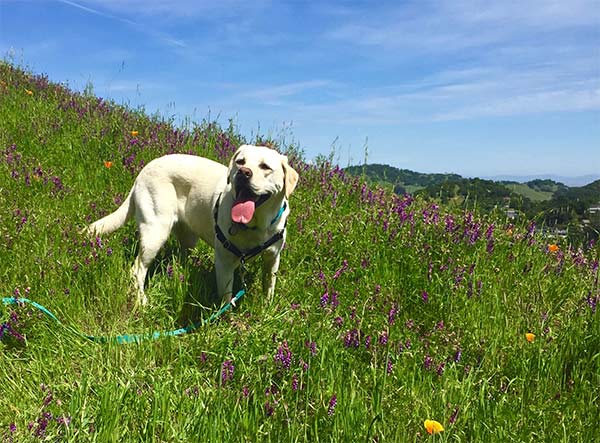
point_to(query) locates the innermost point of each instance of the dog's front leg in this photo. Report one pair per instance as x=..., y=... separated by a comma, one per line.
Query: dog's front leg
x=270, y=268
x=225, y=265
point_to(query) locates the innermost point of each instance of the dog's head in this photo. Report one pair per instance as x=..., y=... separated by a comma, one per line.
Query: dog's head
x=258, y=174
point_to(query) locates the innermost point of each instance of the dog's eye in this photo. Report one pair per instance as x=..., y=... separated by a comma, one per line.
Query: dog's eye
x=265, y=167
x=240, y=161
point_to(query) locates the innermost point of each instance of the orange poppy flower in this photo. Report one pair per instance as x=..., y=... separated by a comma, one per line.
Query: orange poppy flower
x=530, y=337
x=553, y=248
x=134, y=133
x=433, y=427
x=28, y=92
x=108, y=164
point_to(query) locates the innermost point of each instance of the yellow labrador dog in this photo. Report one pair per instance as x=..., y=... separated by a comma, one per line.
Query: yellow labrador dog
x=240, y=211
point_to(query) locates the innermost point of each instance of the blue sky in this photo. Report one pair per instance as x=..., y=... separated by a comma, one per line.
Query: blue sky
x=476, y=87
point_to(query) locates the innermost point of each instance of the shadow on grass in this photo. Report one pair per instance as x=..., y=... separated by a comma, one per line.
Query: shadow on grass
x=200, y=298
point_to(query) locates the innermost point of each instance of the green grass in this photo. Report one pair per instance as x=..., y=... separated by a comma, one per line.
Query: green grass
x=532, y=194
x=388, y=311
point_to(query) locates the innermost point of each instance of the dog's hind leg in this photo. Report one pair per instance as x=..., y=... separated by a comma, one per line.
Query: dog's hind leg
x=187, y=238
x=152, y=237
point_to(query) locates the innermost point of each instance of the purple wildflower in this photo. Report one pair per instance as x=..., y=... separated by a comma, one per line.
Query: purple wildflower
x=392, y=314
x=334, y=300
x=332, y=404
x=227, y=371
x=283, y=357
x=457, y=355
x=269, y=410
x=312, y=346
x=440, y=369
x=65, y=420
x=341, y=270
x=454, y=415
x=324, y=299
x=383, y=338
x=48, y=399
x=489, y=233
x=427, y=362
x=351, y=339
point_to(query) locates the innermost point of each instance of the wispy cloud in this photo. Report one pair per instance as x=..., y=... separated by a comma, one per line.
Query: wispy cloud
x=182, y=9
x=450, y=25
x=97, y=12
x=160, y=36
x=498, y=59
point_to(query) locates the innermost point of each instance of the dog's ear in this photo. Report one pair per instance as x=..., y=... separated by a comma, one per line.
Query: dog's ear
x=291, y=177
x=231, y=163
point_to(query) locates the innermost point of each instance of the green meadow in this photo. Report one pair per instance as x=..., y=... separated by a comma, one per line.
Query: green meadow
x=389, y=310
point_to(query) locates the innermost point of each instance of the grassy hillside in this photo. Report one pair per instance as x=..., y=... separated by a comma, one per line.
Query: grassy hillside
x=388, y=311
x=532, y=193
x=476, y=193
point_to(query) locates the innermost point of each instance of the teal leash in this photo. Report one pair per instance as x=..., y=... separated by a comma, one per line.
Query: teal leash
x=128, y=338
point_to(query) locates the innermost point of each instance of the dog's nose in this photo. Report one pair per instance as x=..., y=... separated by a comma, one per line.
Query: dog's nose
x=244, y=171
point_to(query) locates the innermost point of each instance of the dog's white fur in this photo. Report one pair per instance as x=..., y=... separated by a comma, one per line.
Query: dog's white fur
x=179, y=192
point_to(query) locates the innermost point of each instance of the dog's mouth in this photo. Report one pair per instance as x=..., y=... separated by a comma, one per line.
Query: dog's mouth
x=245, y=204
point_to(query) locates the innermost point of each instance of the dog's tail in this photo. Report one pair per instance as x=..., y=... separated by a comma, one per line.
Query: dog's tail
x=115, y=220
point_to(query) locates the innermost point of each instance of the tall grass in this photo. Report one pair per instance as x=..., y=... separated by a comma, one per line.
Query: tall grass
x=388, y=311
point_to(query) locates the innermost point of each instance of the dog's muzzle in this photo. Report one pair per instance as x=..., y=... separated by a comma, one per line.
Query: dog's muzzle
x=246, y=200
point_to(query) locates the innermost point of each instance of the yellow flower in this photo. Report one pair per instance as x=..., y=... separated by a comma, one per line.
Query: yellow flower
x=530, y=337
x=553, y=248
x=108, y=164
x=134, y=133
x=433, y=427
x=28, y=92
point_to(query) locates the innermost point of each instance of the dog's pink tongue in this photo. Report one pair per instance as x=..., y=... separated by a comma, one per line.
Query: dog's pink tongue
x=242, y=211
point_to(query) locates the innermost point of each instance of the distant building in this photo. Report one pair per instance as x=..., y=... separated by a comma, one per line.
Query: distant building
x=594, y=212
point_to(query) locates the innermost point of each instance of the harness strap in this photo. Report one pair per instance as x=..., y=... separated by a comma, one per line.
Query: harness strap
x=243, y=256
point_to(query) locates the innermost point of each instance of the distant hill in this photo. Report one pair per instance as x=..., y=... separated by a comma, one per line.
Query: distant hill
x=403, y=180
x=581, y=180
